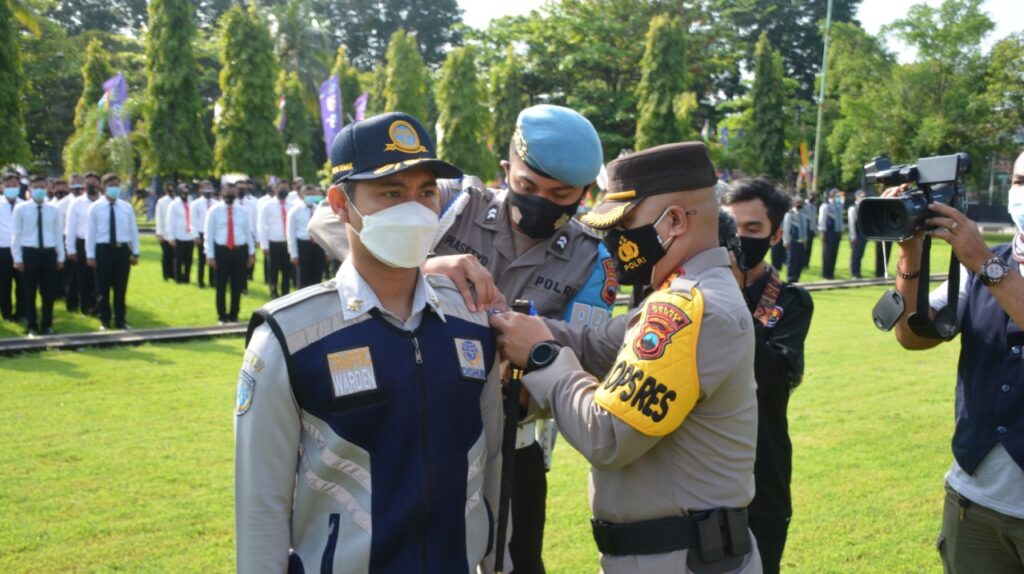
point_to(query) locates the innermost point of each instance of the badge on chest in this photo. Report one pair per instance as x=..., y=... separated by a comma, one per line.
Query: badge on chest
x=471, y=358
x=351, y=372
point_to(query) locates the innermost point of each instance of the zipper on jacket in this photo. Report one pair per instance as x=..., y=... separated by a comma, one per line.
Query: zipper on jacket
x=425, y=434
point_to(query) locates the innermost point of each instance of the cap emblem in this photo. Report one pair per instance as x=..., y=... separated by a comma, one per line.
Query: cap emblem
x=404, y=138
x=519, y=141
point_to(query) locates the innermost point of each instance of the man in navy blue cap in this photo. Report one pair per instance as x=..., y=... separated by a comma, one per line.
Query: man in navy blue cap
x=374, y=443
x=523, y=243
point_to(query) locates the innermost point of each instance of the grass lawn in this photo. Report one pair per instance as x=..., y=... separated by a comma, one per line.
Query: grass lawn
x=121, y=460
x=152, y=302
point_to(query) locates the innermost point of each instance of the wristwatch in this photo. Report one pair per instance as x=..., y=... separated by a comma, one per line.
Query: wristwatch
x=542, y=354
x=993, y=271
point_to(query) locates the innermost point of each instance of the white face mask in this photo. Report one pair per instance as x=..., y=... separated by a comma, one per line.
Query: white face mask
x=401, y=235
x=1015, y=206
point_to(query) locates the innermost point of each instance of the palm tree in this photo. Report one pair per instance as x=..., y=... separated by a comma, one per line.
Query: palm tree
x=26, y=16
x=301, y=46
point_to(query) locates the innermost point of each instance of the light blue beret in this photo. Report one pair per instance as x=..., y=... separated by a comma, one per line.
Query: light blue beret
x=559, y=143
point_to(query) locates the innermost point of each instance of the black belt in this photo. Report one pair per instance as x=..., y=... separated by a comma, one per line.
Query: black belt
x=118, y=244
x=716, y=534
x=38, y=249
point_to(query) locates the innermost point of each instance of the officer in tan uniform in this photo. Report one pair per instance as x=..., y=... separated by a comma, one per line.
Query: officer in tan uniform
x=670, y=431
x=524, y=242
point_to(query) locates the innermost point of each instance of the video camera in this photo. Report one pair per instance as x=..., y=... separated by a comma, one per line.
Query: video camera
x=937, y=180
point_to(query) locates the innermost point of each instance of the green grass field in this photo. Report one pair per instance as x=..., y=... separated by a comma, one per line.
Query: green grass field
x=121, y=460
x=152, y=302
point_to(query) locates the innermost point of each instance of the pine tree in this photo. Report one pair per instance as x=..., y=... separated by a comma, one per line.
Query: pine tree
x=95, y=71
x=508, y=98
x=298, y=126
x=348, y=80
x=663, y=80
x=463, y=120
x=405, y=87
x=173, y=118
x=767, y=135
x=380, y=78
x=247, y=139
x=14, y=143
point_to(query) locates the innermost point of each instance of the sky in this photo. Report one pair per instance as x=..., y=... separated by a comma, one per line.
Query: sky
x=873, y=14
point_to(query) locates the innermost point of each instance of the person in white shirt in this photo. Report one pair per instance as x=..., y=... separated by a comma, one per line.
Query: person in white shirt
x=250, y=203
x=160, y=217
x=264, y=199
x=230, y=249
x=307, y=257
x=37, y=247
x=62, y=199
x=111, y=248
x=272, y=234
x=10, y=279
x=830, y=225
x=200, y=206
x=180, y=228
x=84, y=282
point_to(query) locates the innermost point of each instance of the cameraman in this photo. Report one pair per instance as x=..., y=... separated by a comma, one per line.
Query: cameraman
x=782, y=315
x=983, y=515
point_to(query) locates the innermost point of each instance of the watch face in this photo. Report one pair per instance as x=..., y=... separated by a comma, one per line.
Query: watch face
x=994, y=270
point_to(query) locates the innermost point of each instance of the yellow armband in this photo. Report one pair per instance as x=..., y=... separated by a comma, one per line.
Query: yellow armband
x=654, y=383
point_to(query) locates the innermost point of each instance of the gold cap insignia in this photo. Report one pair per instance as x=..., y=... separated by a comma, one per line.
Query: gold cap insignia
x=404, y=138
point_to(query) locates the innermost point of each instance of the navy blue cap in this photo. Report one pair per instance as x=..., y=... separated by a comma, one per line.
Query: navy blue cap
x=558, y=143
x=384, y=145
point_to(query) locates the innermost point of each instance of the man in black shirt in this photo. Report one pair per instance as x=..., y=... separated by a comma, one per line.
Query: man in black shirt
x=782, y=316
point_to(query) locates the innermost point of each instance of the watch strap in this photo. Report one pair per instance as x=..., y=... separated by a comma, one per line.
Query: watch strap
x=533, y=365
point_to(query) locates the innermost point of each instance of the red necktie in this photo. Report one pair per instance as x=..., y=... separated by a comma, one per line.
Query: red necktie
x=231, y=229
x=188, y=220
x=284, y=220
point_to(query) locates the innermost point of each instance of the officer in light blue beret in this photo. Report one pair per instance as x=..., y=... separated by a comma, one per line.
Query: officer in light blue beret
x=523, y=242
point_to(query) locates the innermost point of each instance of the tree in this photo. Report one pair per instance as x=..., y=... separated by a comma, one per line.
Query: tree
x=301, y=46
x=77, y=16
x=405, y=87
x=95, y=71
x=14, y=145
x=767, y=136
x=366, y=26
x=246, y=138
x=348, y=80
x=376, y=105
x=1005, y=92
x=463, y=117
x=508, y=98
x=298, y=126
x=173, y=117
x=663, y=80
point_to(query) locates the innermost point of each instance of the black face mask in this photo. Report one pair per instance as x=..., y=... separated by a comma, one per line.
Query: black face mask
x=754, y=250
x=229, y=199
x=636, y=251
x=92, y=189
x=539, y=218
x=282, y=194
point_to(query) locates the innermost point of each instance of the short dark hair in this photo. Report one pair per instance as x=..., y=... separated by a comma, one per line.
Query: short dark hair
x=776, y=202
x=9, y=175
x=59, y=182
x=37, y=179
x=109, y=177
x=89, y=174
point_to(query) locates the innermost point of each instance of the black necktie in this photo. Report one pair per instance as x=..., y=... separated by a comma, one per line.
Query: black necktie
x=113, y=226
x=40, y=225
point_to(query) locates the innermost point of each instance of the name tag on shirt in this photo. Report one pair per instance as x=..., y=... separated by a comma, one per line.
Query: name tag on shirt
x=351, y=372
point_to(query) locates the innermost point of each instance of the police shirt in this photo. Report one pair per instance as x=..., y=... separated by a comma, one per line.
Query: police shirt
x=672, y=427
x=98, y=229
x=778, y=370
x=364, y=446
x=25, y=229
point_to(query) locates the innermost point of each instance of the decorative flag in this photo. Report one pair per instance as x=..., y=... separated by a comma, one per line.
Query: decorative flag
x=360, y=103
x=804, y=177
x=704, y=130
x=723, y=136
x=330, y=109
x=115, y=94
x=281, y=103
